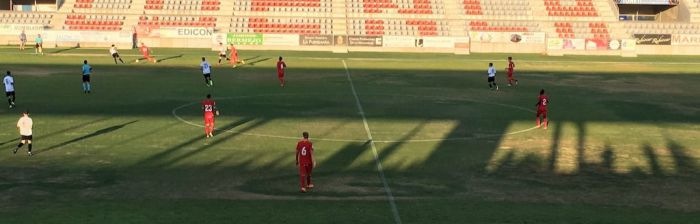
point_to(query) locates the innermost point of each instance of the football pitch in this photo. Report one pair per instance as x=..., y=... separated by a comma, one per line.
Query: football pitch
x=399, y=138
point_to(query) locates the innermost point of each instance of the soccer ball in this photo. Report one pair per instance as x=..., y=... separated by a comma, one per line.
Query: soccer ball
x=217, y=113
x=137, y=60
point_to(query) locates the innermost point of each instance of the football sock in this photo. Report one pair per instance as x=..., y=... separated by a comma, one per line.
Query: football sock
x=84, y=87
x=9, y=101
x=20, y=145
x=88, y=86
x=115, y=61
x=538, y=121
x=120, y=59
x=30, y=147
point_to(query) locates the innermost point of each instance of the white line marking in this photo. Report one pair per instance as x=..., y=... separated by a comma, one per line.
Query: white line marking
x=478, y=136
x=389, y=195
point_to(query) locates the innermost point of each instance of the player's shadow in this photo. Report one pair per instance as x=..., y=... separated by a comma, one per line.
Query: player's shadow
x=161, y=158
x=169, y=58
x=91, y=135
x=252, y=58
x=252, y=63
x=9, y=141
x=64, y=50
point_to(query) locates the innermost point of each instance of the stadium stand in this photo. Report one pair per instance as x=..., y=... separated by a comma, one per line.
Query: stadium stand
x=10, y=17
x=497, y=7
x=94, y=22
x=661, y=28
x=309, y=26
x=503, y=26
x=185, y=7
x=579, y=19
x=397, y=18
x=178, y=21
x=94, y=5
x=569, y=8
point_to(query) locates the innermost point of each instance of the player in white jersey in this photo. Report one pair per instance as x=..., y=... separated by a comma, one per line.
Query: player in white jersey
x=115, y=54
x=9, y=82
x=492, y=77
x=206, y=71
x=222, y=53
x=25, y=125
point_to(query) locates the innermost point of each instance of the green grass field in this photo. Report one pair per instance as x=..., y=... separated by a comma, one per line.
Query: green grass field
x=623, y=143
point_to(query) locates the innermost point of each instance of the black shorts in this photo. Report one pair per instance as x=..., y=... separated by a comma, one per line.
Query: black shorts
x=115, y=55
x=208, y=75
x=10, y=93
x=492, y=79
x=86, y=78
x=222, y=55
x=38, y=45
x=25, y=137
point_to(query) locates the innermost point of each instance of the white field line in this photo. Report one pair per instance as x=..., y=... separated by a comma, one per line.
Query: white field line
x=387, y=189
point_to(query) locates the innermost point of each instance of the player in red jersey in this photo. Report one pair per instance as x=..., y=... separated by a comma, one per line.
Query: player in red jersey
x=542, y=102
x=146, y=52
x=209, y=107
x=281, y=66
x=510, y=69
x=234, y=56
x=305, y=161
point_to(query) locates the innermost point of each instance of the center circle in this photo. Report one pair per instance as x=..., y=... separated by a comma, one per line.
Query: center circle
x=479, y=136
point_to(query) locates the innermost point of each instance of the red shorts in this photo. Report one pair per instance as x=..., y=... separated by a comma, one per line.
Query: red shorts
x=542, y=112
x=280, y=75
x=305, y=169
x=209, y=119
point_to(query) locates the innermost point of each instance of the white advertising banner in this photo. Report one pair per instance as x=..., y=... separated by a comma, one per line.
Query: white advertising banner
x=628, y=44
x=439, y=42
x=555, y=43
x=685, y=39
x=507, y=37
x=399, y=41
x=461, y=42
x=187, y=32
x=105, y=37
x=281, y=39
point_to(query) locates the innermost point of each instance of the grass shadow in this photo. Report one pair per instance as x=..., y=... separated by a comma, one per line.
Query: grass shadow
x=91, y=135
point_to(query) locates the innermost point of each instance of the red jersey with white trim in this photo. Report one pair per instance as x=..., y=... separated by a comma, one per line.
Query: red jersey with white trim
x=511, y=67
x=304, y=151
x=280, y=67
x=208, y=106
x=542, y=103
x=144, y=50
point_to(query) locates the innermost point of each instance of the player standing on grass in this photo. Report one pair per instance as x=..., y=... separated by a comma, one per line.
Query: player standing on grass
x=24, y=125
x=206, y=71
x=146, y=52
x=281, y=66
x=492, y=77
x=22, y=40
x=305, y=161
x=510, y=69
x=234, y=56
x=87, y=69
x=209, y=107
x=542, y=102
x=9, y=89
x=115, y=54
x=222, y=53
x=39, y=45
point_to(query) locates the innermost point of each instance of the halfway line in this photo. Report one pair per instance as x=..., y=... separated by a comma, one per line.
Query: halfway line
x=389, y=195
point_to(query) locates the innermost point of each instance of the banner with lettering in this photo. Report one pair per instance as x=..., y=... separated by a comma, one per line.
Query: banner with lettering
x=653, y=39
